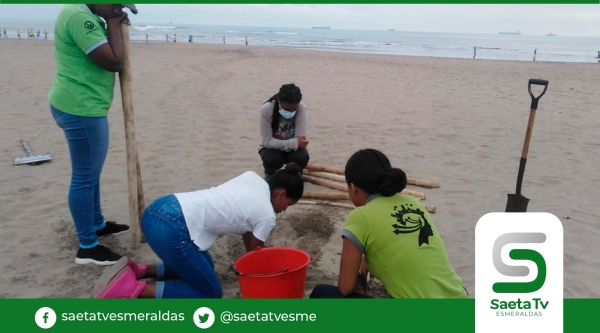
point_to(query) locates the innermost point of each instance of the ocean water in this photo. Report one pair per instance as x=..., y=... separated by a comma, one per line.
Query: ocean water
x=451, y=45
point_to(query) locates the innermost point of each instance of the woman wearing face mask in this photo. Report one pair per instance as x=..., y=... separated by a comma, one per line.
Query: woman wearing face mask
x=283, y=124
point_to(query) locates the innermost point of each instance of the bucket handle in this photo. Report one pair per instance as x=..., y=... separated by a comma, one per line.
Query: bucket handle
x=237, y=273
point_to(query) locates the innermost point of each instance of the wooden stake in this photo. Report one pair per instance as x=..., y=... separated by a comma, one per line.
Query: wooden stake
x=133, y=177
x=140, y=192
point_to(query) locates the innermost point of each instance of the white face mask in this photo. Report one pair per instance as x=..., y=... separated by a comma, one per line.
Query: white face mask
x=287, y=114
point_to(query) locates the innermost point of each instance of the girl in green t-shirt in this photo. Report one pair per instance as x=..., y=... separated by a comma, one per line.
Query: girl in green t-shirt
x=392, y=233
x=88, y=50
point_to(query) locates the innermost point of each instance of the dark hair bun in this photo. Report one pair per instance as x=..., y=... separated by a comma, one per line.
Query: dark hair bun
x=393, y=182
x=289, y=179
x=371, y=171
x=293, y=169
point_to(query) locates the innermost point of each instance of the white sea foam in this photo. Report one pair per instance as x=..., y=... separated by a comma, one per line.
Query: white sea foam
x=149, y=27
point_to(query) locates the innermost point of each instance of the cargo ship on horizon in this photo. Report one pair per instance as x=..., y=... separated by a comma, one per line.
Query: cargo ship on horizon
x=327, y=27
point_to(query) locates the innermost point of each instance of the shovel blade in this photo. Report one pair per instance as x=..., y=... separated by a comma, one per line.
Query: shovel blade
x=33, y=160
x=516, y=203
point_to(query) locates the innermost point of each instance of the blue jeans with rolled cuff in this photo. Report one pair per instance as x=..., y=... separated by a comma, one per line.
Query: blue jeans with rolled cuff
x=87, y=138
x=167, y=234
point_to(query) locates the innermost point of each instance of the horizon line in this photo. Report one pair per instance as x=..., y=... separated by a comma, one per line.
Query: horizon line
x=310, y=28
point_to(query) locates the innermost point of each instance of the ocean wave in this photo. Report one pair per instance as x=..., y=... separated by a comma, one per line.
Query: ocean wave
x=430, y=44
x=556, y=54
x=363, y=44
x=146, y=27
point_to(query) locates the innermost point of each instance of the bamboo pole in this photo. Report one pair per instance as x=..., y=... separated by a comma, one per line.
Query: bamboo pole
x=325, y=195
x=133, y=177
x=422, y=183
x=337, y=174
x=314, y=167
x=418, y=195
x=344, y=188
x=326, y=183
x=323, y=203
x=334, y=196
x=326, y=175
x=140, y=192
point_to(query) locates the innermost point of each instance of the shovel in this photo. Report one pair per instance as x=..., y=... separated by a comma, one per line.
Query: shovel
x=517, y=203
x=30, y=158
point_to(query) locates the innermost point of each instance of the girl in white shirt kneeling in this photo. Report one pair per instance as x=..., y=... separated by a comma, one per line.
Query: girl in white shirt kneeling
x=181, y=227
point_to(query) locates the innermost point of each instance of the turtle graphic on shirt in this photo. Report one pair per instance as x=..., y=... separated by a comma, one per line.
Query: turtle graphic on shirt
x=411, y=220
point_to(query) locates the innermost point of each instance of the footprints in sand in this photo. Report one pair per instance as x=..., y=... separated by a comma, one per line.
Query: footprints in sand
x=452, y=163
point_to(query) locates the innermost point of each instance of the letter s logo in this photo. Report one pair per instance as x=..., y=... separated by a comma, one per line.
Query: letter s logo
x=519, y=254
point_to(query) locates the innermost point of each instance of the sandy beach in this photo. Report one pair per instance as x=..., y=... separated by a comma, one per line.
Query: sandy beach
x=459, y=122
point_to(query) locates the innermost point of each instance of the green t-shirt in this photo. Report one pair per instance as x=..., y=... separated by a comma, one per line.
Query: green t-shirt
x=80, y=87
x=403, y=248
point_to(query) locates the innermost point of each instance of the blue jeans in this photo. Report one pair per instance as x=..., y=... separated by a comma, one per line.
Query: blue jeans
x=87, y=138
x=168, y=236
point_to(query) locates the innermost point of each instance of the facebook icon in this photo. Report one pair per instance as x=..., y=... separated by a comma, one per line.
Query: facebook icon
x=45, y=317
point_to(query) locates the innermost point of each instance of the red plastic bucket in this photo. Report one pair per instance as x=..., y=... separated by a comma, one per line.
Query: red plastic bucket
x=274, y=272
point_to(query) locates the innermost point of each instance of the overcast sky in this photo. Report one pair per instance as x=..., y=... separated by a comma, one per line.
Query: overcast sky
x=565, y=20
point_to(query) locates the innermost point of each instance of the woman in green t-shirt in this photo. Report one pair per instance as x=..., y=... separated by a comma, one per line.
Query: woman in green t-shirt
x=392, y=233
x=88, y=51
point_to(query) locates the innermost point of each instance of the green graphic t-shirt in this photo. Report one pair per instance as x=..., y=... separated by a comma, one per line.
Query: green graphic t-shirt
x=403, y=248
x=80, y=87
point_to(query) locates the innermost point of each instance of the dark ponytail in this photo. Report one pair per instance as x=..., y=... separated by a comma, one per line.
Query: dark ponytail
x=288, y=93
x=371, y=171
x=290, y=180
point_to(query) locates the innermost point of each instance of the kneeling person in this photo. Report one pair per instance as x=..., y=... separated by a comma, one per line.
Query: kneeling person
x=181, y=227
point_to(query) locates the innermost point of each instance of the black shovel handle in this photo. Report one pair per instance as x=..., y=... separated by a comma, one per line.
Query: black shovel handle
x=534, y=105
x=534, y=100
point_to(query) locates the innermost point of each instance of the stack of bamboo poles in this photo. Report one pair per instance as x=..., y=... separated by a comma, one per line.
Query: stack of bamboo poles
x=334, y=178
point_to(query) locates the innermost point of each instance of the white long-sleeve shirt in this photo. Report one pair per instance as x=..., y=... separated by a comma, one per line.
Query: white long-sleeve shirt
x=288, y=128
